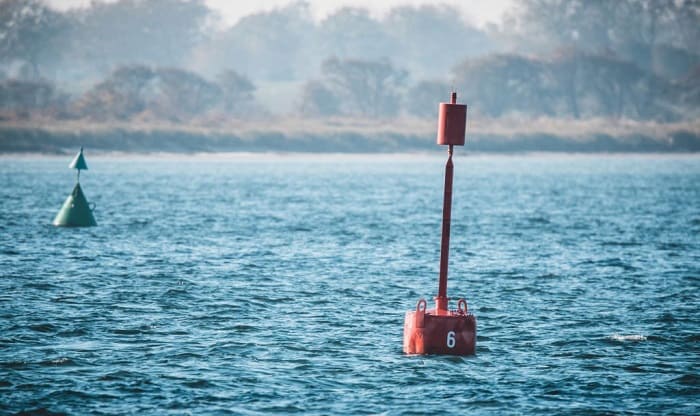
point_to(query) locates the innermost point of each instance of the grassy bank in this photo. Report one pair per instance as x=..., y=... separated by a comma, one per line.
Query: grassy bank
x=348, y=136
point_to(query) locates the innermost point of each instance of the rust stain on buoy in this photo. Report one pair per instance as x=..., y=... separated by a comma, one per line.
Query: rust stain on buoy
x=442, y=330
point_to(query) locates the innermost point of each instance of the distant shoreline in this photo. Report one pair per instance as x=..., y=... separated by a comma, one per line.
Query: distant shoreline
x=348, y=136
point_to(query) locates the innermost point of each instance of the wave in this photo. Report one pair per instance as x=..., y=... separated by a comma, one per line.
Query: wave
x=624, y=338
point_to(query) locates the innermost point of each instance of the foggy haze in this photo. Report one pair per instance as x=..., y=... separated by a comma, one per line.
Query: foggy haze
x=175, y=61
x=476, y=11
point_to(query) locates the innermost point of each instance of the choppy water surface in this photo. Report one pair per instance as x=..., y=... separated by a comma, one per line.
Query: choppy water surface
x=250, y=284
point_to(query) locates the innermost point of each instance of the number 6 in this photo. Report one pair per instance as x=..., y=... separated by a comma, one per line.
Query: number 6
x=451, y=339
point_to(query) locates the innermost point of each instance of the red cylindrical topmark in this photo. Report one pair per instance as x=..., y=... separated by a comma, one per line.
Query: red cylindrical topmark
x=452, y=122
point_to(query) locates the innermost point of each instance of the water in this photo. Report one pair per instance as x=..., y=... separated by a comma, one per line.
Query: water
x=251, y=284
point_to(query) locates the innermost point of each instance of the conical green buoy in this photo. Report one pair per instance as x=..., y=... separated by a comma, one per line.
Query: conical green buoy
x=76, y=212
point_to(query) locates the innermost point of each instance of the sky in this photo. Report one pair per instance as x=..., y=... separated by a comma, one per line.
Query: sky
x=479, y=12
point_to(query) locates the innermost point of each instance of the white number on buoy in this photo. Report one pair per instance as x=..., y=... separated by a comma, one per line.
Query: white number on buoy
x=451, y=339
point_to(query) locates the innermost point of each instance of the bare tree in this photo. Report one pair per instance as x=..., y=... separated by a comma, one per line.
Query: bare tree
x=272, y=45
x=155, y=32
x=431, y=39
x=422, y=99
x=351, y=33
x=318, y=101
x=367, y=88
x=31, y=32
x=237, y=92
x=169, y=93
x=23, y=99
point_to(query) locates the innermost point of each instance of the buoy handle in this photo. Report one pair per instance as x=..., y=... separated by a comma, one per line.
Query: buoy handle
x=423, y=303
x=92, y=206
x=462, y=306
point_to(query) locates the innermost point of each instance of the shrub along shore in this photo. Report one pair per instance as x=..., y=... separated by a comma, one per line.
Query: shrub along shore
x=345, y=135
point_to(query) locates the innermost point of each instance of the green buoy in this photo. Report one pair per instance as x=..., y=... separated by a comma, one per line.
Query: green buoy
x=76, y=212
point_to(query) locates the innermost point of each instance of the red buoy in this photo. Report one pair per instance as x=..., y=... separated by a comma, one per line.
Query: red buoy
x=442, y=330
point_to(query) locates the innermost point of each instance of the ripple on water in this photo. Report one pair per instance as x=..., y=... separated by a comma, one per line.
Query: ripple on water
x=627, y=338
x=208, y=288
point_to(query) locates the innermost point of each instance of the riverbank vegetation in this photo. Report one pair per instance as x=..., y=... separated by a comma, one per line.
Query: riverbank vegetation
x=550, y=75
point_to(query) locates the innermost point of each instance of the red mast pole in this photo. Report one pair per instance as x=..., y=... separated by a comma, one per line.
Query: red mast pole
x=441, y=299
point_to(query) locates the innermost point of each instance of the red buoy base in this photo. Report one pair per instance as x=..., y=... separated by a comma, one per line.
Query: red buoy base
x=445, y=332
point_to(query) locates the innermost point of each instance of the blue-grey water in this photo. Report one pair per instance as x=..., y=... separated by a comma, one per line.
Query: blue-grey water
x=277, y=284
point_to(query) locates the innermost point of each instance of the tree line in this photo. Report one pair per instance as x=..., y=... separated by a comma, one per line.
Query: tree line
x=170, y=60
